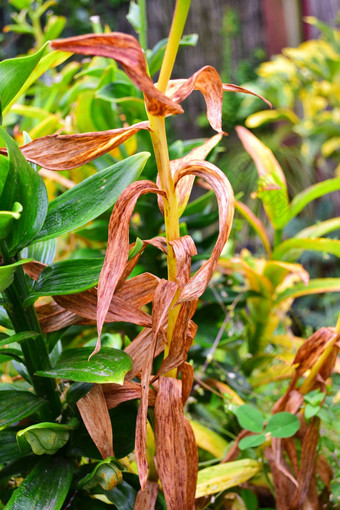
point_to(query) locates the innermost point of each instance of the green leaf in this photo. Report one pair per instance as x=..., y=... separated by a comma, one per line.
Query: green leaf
x=23, y=185
x=156, y=57
x=91, y=197
x=223, y=476
x=300, y=200
x=45, y=438
x=9, y=450
x=249, y=418
x=291, y=249
x=45, y=488
x=18, y=337
x=124, y=495
x=7, y=273
x=6, y=217
x=77, y=391
x=314, y=397
x=315, y=286
x=4, y=320
x=311, y=411
x=107, y=366
x=16, y=405
x=319, y=229
x=13, y=74
x=250, y=441
x=133, y=16
x=283, y=425
x=8, y=354
x=106, y=474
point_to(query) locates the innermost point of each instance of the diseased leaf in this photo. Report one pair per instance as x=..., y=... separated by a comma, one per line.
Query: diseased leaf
x=96, y=418
x=127, y=52
x=225, y=198
x=229, y=87
x=91, y=197
x=147, y=498
x=63, y=152
x=118, y=246
x=256, y=223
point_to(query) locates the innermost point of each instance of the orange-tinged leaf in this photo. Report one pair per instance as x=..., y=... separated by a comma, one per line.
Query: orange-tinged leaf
x=53, y=317
x=225, y=199
x=118, y=246
x=229, y=87
x=184, y=248
x=125, y=50
x=63, y=152
x=256, y=223
x=191, y=454
x=146, y=499
x=115, y=394
x=208, y=82
x=187, y=377
x=95, y=415
x=225, y=389
x=163, y=298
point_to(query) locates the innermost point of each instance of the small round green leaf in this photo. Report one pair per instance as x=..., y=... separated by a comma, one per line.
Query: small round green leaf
x=249, y=418
x=107, y=366
x=283, y=425
x=250, y=441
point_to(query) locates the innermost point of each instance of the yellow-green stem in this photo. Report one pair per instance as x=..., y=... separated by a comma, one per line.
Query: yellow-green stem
x=159, y=141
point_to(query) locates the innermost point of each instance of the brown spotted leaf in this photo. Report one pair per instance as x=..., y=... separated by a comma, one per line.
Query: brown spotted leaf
x=191, y=454
x=118, y=246
x=146, y=499
x=225, y=199
x=170, y=443
x=53, y=317
x=63, y=152
x=138, y=351
x=187, y=377
x=125, y=50
x=96, y=418
x=229, y=87
x=163, y=298
x=115, y=394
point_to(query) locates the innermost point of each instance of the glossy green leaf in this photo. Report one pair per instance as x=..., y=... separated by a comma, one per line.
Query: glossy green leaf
x=4, y=320
x=77, y=391
x=249, y=418
x=223, y=476
x=13, y=74
x=319, y=229
x=6, y=217
x=9, y=450
x=124, y=495
x=45, y=488
x=43, y=251
x=90, y=198
x=16, y=405
x=106, y=474
x=300, y=200
x=23, y=185
x=123, y=419
x=45, y=438
x=291, y=249
x=251, y=441
x=108, y=365
x=8, y=354
x=314, y=286
x=7, y=273
x=283, y=425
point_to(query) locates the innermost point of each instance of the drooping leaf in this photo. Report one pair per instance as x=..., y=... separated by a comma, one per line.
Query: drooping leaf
x=110, y=365
x=219, y=478
x=126, y=51
x=314, y=286
x=91, y=197
x=230, y=87
x=46, y=487
x=44, y=438
x=251, y=441
x=13, y=74
x=249, y=418
x=7, y=273
x=25, y=186
x=64, y=152
x=106, y=474
x=96, y=418
x=16, y=405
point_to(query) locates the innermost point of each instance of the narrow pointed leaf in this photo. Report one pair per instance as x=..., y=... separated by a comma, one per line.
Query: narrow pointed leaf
x=118, y=246
x=319, y=229
x=219, y=478
x=256, y=223
x=225, y=199
x=209, y=440
x=63, y=152
x=314, y=286
x=91, y=197
x=126, y=51
x=45, y=488
x=229, y=87
x=96, y=418
x=16, y=405
x=292, y=248
x=110, y=365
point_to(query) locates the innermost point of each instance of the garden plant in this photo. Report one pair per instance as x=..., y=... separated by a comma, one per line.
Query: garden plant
x=98, y=405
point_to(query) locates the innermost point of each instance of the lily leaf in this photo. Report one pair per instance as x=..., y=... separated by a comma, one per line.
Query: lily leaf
x=7, y=273
x=292, y=248
x=16, y=405
x=314, y=286
x=44, y=438
x=107, y=366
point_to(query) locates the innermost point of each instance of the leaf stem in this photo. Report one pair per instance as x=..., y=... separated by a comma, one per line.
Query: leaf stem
x=143, y=37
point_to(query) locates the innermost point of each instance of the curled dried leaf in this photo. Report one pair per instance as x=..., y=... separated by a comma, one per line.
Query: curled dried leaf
x=118, y=246
x=53, y=317
x=115, y=394
x=63, y=152
x=225, y=199
x=96, y=418
x=125, y=50
x=229, y=87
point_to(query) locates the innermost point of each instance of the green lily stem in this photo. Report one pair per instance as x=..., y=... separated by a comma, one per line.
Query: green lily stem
x=34, y=349
x=143, y=37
